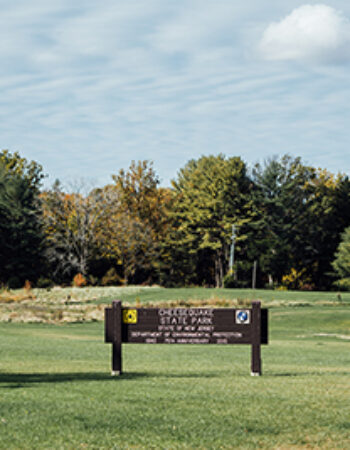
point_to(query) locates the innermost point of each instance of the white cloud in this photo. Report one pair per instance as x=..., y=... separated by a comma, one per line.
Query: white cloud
x=314, y=33
x=86, y=88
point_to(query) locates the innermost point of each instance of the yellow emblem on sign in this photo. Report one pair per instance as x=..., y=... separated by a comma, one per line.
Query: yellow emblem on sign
x=130, y=315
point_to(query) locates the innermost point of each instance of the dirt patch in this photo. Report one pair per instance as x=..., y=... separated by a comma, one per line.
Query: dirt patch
x=339, y=336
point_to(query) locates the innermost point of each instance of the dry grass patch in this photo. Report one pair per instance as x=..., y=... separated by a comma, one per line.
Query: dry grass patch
x=7, y=296
x=73, y=304
x=214, y=302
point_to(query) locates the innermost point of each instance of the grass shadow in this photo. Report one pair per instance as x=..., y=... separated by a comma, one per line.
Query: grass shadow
x=306, y=374
x=18, y=380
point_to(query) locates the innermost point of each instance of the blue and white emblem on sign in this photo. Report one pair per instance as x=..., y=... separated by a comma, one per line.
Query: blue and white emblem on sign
x=243, y=316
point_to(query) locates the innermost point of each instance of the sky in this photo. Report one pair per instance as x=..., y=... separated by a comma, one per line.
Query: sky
x=86, y=86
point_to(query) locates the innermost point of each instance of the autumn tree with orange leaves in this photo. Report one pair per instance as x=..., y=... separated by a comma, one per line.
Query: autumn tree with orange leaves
x=133, y=233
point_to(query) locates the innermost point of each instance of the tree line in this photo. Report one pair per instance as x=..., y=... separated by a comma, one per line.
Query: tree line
x=290, y=219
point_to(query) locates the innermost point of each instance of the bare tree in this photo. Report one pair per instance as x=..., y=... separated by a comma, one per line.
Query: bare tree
x=72, y=223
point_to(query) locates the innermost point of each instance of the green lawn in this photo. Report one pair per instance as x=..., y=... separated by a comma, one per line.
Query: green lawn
x=56, y=390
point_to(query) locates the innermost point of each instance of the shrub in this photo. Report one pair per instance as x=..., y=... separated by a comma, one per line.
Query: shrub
x=79, y=280
x=280, y=288
x=230, y=282
x=14, y=283
x=307, y=287
x=296, y=279
x=27, y=286
x=92, y=280
x=341, y=264
x=343, y=285
x=44, y=283
x=111, y=278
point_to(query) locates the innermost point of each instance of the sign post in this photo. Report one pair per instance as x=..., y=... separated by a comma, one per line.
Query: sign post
x=113, y=334
x=186, y=326
x=256, y=339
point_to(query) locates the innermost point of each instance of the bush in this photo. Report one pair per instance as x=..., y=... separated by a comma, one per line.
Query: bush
x=280, y=288
x=111, y=278
x=341, y=264
x=14, y=283
x=231, y=283
x=92, y=280
x=44, y=283
x=297, y=280
x=307, y=287
x=343, y=285
x=79, y=280
x=27, y=286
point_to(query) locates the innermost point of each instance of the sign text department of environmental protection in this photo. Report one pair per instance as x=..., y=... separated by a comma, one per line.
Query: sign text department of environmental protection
x=188, y=326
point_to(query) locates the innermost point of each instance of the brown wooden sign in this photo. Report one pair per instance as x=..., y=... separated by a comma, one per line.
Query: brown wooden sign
x=186, y=326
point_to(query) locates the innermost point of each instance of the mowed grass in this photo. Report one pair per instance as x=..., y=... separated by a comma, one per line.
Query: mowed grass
x=56, y=390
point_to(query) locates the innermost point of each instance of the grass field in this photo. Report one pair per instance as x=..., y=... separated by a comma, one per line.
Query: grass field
x=56, y=390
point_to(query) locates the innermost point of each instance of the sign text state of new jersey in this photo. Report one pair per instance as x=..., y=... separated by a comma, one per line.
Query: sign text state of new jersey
x=186, y=326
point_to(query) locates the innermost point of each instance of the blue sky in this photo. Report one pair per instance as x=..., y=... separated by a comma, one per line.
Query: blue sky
x=88, y=86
